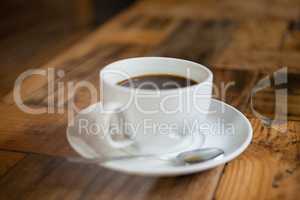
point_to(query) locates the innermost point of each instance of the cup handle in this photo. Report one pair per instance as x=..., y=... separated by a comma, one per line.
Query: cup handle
x=116, y=133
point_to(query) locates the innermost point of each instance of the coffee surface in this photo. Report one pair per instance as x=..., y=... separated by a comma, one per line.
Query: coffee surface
x=157, y=81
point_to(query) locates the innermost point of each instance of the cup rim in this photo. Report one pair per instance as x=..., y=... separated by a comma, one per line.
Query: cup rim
x=127, y=89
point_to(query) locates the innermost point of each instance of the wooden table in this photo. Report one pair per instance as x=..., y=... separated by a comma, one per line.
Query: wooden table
x=241, y=41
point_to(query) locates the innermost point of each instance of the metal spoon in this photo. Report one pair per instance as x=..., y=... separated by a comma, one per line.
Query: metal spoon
x=186, y=157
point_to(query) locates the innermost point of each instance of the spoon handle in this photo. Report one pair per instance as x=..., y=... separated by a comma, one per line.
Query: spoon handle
x=187, y=157
x=103, y=160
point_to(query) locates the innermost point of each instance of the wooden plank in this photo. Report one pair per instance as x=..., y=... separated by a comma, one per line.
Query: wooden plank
x=268, y=37
x=33, y=133
x=38, y=175
x=292, y=36
x=253, y=60
x=8, y=160
x=33, y=33
x=249, y=59
x=249, y=48
x=133, y=187
x=269, y=169
x=232, y=9
x=44, y=45
x=234, y=86
x=180, y=10
x=75, y=67
x=197, y=40
x=138, y=29
x=266, y=100
x=49, y=173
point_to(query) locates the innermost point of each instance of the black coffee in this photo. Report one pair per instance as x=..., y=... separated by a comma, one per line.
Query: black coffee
x=157, y=81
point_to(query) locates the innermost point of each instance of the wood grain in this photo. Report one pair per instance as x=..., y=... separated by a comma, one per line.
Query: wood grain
x=199, y=41
x=236, y=9
x=269, y=169
x=37, y=175
x=8, y=160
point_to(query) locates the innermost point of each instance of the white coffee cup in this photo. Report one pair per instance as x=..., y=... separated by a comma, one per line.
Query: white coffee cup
x=143, y=113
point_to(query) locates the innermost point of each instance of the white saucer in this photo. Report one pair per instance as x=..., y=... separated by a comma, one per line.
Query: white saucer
x=226, y=128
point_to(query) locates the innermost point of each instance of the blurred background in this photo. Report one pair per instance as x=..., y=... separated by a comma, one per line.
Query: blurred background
x=32, y=32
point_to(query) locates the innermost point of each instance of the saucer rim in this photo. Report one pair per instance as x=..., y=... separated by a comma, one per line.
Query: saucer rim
x=179, y=170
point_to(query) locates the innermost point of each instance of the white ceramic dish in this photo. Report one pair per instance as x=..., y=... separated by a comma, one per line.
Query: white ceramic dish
x=226, y=128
